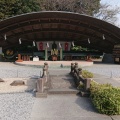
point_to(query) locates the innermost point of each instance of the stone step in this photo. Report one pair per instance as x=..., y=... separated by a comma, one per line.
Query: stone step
x=63, y=91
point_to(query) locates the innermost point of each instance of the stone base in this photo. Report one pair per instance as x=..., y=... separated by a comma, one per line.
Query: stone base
x=89, y=60
x=19, y=61
x=41, y=95
x=84, y=94
x=63, y=91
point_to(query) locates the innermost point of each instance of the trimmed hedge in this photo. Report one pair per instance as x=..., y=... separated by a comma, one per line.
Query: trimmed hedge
x=105, y=98
x=87, y=74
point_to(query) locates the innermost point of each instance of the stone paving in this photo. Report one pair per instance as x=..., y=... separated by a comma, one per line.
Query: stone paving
x=65, y=107
x=62, y=82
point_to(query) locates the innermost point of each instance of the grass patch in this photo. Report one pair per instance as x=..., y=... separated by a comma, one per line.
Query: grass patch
x=87, y=74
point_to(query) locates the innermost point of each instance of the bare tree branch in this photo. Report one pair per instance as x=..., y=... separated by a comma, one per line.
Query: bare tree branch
x=107, y=13
x=88, y=7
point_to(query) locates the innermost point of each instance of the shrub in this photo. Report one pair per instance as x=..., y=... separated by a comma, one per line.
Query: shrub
x=105, y=98
x=87, y=74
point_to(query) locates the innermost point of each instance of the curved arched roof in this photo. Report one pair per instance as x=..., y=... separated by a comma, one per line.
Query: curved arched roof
x=59, y=26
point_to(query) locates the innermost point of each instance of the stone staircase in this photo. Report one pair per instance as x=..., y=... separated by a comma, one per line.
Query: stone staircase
x=63, y=84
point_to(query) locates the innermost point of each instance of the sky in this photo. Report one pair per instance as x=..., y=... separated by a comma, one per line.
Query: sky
x=113, y=3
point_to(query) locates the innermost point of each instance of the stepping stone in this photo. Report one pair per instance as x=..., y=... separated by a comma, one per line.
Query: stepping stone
x=17, y=82
x=1, y=80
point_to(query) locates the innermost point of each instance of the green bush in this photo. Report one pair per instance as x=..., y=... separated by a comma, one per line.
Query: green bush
x=105, y=98
x=87, y=74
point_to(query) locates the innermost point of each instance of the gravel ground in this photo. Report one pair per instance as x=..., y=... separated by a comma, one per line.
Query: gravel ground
x=16, y=106
x=109, y=70
x=10, y=70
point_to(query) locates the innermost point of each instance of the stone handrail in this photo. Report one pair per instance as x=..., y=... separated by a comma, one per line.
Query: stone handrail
x=77, y=75
x=42, y=82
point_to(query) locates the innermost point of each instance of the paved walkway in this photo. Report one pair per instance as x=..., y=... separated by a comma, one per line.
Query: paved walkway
x=62, y=84
x=65, y=107
x=69, y=107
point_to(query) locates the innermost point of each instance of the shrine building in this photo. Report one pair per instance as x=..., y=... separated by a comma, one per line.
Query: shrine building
x=52, y=35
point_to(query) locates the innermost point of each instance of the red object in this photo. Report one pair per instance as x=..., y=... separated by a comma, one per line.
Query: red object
x=40, y=46
x=66, y=46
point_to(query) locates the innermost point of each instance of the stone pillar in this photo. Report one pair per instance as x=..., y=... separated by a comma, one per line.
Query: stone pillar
x=76, y=67
x=46, y=66
x=40, y=85
x=87, y=84
x=45, y=74
x=79, y=72
x=72, y=68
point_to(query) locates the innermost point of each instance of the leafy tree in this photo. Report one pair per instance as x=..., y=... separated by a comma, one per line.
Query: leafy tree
x=26, y=6
x=6, y=7
x=10, y=8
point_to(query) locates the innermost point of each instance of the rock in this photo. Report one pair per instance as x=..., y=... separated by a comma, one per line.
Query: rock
x=17, y=82
x=108, y=58
x=1, y=80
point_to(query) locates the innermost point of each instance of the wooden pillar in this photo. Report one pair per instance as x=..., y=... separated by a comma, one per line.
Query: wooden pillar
x=46, y=54
x=61, y=54
x=19, y=58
